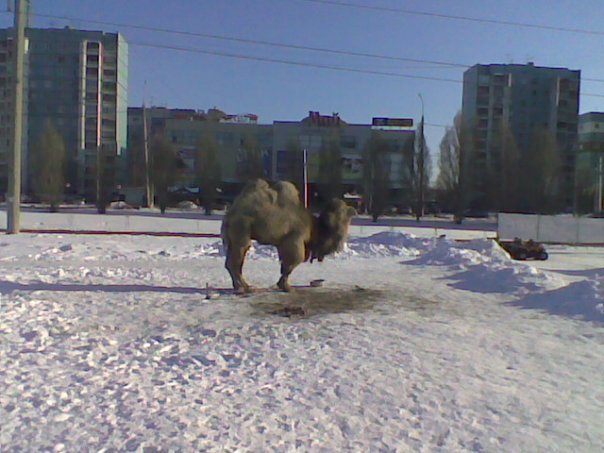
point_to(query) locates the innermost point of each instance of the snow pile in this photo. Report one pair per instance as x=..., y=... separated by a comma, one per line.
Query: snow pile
x=582, y=300
x=463, y=254
x=483, y=266
x=387, y=244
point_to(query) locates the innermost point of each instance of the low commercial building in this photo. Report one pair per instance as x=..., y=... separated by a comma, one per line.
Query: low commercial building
x=280, y=146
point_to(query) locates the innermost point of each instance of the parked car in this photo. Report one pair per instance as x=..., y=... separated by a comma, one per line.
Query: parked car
x=523, y=250
x=476, y=213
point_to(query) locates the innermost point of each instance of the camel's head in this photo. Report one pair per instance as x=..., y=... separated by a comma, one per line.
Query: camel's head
x=330, y=229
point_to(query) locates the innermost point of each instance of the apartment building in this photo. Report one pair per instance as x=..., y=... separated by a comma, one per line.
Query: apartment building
x=78, y=81
x=590, y=158
x=526, y=98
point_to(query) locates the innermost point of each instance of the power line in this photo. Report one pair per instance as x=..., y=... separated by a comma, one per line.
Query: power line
x=458, y=17
x=292, y=62
x=273, y=43
x=303, y=64
x=440, y=63
x=310, y=65
x=254, y=41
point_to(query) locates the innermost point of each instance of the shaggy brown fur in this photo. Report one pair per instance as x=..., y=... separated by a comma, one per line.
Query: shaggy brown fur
x=275, y=216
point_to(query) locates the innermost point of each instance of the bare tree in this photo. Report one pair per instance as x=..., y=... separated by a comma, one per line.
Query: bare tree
x=49, y=167
x=375, y=175
x=448, y=180
x=208, y=171
x=330, y=170
x=164, y=169
x=452, y=177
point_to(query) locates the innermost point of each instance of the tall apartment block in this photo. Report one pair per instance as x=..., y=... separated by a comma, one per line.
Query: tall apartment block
x=527, y=98
x=78, y=81
x=590, y=158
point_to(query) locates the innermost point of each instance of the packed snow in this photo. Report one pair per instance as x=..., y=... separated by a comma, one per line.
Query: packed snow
x=135, y=343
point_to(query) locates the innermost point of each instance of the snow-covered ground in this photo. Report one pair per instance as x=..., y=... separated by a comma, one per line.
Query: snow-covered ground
x=113, y=343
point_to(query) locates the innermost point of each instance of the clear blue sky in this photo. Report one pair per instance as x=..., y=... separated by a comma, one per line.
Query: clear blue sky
x=277, y=91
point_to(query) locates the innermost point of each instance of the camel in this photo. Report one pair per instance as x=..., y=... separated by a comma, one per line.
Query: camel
x=274, y=215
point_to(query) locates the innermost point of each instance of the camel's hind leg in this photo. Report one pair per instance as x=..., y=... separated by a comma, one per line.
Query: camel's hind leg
x=234, y=264
x=291, y=253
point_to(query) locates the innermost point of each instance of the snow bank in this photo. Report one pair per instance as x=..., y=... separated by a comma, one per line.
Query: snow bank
x=387, y=244
x=582, y=300
x=479, y=265
x=483, y=266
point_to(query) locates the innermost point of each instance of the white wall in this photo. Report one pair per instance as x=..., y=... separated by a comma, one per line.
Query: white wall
x=560, y=229
x=126, y=222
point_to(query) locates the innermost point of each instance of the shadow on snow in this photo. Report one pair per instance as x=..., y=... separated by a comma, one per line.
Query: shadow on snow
x=7, y=287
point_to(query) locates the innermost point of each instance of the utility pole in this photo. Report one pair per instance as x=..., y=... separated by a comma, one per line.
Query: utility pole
x=13, y=213
x=148, y=191
x=420, y=202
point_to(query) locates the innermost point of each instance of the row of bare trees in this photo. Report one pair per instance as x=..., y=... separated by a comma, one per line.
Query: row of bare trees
x=50, y=162
x=376, y=180
x=507, y=178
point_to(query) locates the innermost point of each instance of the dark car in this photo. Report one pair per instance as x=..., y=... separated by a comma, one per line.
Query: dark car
x=476, y=213
x=524, y=250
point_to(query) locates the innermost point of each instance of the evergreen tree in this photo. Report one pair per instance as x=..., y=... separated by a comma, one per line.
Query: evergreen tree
x=163, y=169
x=540, y=175
x=330, y=170
x=295, y=166
x=375, y=175
x=251, y=166
x=502, y=184
x=49, y=161
x=208, y=171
